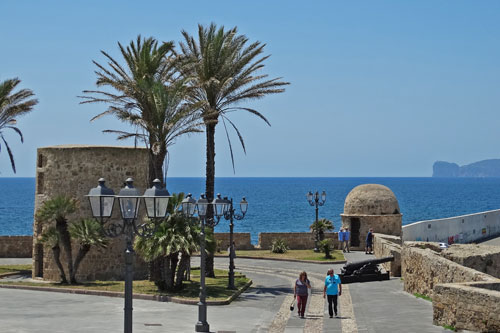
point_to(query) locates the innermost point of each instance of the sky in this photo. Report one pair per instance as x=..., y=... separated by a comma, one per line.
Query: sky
x=378, y=88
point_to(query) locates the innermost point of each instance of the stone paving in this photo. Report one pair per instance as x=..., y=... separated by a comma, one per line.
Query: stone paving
x=363, y=307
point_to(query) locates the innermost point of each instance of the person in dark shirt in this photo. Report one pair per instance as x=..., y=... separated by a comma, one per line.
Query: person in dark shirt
x=369, y=242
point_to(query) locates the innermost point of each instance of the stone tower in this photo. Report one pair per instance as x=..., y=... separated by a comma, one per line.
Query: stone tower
x=72, y=170
x=371, y=206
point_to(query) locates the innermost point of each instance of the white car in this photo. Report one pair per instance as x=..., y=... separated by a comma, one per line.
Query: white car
x=443, y=245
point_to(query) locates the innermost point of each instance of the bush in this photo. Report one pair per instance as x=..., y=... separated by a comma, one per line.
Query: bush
x=326, y=247
x=279, y=245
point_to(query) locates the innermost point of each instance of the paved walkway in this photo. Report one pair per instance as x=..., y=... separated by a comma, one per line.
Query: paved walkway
x=364, y=307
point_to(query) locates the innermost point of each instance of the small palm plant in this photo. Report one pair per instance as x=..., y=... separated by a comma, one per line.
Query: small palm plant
x=326, y=247
x=279, y=245
x=321, y=226
x=50, y=238
x=12, y=106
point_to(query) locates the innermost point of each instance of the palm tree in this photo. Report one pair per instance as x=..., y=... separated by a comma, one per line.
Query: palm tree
x=89, y=234
x=321, y=226
x=58, y=209
x=222, y=68
x=50, y=238
x=12, y=106
x=147, y=94
x=175, y=235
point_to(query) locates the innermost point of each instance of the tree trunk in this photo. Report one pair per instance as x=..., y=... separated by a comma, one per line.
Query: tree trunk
x=210, y=187
x=181, y=270
x=156, y=274
x=82, y=252
x=167, y=274
x=56, y=251
x=174, y=259
x=62, y=228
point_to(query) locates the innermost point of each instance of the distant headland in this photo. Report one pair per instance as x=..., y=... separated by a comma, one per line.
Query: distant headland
x=485, y=168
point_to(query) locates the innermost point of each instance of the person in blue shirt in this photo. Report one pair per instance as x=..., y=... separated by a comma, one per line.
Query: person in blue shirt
x=341, y=238
x=369, y=242
x=347, y=238
x=333, y=288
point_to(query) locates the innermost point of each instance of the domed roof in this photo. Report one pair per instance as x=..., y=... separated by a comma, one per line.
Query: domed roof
x=371, y=199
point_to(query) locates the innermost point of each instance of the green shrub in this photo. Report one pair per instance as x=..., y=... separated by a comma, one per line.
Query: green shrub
x=326, y=247
x=279, y=245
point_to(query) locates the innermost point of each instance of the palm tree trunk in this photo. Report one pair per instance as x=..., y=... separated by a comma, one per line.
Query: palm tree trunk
x=181, y=270
x=210, y=187
x=82, y=252
x=156, y=164
x=62, y=228
x=56, y=251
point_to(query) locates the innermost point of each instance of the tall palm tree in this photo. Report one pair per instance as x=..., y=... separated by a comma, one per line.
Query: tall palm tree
x=147, y=94
x=12, y=106
x=223, y=71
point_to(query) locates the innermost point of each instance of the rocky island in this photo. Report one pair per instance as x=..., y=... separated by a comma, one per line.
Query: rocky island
x=485, y=168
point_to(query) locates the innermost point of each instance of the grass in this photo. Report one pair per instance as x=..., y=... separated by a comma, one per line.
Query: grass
x=449, y=327
x=427, y=298
x=216, y=287
x=14, y=268
x=291, y=254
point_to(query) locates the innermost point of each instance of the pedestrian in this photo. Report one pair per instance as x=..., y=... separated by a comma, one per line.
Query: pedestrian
x=347, y=239
x=300, y=292
x=369, y=242
x=341, y=239
x=333, y=288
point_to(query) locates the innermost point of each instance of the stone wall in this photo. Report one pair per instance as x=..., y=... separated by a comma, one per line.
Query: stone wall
x=387, y=246
x=16, y=246
x=469, y=306
x=483, y=258
x=72, y=170
x=241, y=240
x=295, y=240
x=422, y=269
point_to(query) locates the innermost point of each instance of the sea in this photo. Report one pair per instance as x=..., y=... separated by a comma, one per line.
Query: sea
x=280, y=205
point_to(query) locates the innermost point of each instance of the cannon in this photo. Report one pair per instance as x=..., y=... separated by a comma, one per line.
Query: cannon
x=363, y=271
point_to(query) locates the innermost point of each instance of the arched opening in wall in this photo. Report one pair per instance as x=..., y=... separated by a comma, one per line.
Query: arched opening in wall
x=355, y=231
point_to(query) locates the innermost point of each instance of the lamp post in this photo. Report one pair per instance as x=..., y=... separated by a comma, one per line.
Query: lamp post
x=189, y=207
x=230, y=214
x=316, y=200
x=102, y=201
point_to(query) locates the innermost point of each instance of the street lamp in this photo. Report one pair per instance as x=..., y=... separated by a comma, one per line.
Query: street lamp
x=189, y=207
x=230, y=214
x=316, y=200
x=101, y=202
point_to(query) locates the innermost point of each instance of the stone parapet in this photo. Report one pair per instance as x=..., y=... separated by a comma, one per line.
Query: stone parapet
x=422, y=269
x=16, y=246
x=483, y=258
x=295, y=240
x=387, y=246
x=471, y=306
x=241, y=240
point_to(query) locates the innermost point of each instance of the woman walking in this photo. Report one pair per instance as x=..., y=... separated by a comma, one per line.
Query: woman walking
x=300, y=292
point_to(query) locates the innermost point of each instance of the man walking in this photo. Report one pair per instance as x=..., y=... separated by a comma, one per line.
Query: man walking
x=333, y=288
x=341, y=239
x=347, y=239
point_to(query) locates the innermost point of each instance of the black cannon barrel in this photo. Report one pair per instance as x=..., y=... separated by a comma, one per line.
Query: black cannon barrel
x=358, y=264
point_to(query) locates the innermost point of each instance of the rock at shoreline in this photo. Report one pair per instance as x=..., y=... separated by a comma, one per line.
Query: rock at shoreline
x=486, y=168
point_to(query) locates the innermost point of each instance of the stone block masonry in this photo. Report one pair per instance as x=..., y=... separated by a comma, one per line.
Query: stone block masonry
x=241, y=240
x=482, y=258
x=388, y=246
x=295, y=240
x=16, y=246
x=72, y=170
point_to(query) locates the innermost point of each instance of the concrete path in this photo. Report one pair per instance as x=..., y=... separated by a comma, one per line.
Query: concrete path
x=364, y=307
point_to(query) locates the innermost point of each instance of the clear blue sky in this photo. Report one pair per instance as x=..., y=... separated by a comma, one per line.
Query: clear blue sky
x=379, y=88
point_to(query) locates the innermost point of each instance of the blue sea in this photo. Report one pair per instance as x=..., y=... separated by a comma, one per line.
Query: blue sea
x=279, y=204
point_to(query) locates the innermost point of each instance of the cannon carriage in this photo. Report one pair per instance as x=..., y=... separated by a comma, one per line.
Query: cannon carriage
x=364, y=271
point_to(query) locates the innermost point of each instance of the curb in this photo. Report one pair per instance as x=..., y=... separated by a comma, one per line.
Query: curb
x=10, y=274
x=159, y=298
x=333, y=262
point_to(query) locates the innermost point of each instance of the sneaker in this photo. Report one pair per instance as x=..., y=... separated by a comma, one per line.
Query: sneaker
x=336, y=315
x=302, y=317
x=331, y=316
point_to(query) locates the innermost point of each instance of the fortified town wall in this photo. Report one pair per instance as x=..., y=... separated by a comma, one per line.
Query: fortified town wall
x=422, y=268
x=16, y=246
x=388, y=246
x=295, y=240
x=72, y=170
x=458, y=229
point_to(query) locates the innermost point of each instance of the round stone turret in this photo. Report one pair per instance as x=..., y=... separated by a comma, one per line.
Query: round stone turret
x=371, y=206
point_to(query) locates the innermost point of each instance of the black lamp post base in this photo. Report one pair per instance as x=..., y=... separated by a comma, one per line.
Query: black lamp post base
x=202, y=327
